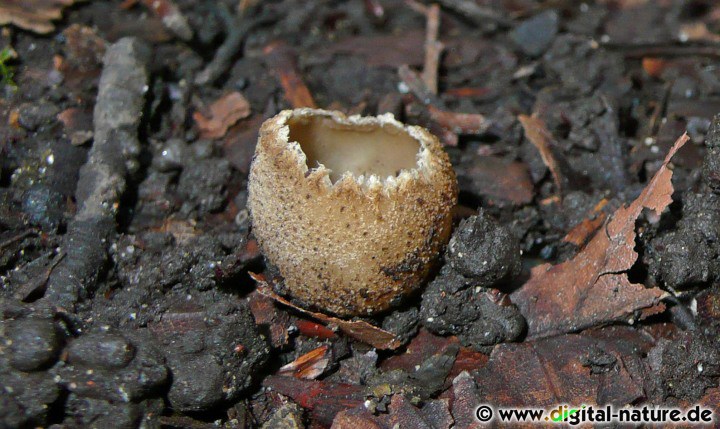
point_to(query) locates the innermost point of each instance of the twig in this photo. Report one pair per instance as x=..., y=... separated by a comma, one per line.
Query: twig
x=442, y=122
x=666, y=50
x=102, y=180
x=537, y=133
x=660, y=110
x=18, y=237
x=545, y=5
x=475, y=13
x=433, y=49
x=237, y=27
x=416, y=85
x=38, y=284
x=459, y=123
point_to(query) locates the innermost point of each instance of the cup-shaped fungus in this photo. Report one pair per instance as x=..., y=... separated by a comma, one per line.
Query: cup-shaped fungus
x=353, y=211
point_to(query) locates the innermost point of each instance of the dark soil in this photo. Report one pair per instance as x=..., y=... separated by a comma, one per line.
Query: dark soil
x=126, y=246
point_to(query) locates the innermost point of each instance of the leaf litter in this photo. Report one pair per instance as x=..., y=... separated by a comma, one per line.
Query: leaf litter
x=593, y=287
x=357, y=329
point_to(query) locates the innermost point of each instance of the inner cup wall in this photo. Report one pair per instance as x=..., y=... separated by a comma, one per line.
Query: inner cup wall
x=382, y=150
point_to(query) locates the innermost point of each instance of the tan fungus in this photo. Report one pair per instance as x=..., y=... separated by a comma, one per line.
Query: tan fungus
x=352, y=210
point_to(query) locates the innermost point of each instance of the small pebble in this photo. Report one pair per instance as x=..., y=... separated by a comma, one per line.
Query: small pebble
x=101, y=350
x=34, y=344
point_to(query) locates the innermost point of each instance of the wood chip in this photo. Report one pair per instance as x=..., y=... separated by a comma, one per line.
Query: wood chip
x=309, y=366
x=221, y=115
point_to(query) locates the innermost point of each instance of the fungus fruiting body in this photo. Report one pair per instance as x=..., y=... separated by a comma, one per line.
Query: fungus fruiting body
x=353, y=211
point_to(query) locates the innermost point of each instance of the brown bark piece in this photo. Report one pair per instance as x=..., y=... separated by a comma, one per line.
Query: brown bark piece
x=33, y=15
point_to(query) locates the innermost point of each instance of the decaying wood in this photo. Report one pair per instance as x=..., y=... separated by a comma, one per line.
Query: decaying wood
x=118, y=111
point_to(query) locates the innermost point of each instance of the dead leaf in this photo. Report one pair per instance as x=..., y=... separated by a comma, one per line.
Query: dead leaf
x=434, y=414
x=356, y=418
x=359, y=330
x=402, y=414
x=465, y=400
x=593, y=288
x=222, y=114
x=323, y=399
x=499, y=180
x=239, y=143
x=595, y=367
x=33, y=15
x=537, y=133
x=267, y=315
x=309, y=366
x=422, y=346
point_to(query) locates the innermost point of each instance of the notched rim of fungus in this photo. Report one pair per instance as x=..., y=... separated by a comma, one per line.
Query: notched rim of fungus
x=343, y=206
x=357, y=126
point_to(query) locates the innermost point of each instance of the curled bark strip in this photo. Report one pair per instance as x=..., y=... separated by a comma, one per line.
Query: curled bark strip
x=102, y=180
x=357, y=329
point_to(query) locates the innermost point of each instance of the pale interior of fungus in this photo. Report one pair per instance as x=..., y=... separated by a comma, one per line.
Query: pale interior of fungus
x=382, y=150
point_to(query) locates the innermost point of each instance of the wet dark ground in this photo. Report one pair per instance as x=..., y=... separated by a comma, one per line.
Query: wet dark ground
x=143, y=314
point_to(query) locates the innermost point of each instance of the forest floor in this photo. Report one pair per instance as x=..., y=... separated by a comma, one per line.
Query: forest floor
x=587, y=238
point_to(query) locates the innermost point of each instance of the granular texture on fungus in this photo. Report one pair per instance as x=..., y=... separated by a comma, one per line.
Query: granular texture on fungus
x=353, y=211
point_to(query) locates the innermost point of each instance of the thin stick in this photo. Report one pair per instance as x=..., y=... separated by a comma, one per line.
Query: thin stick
x=433, y=49
x=17, y=237
x=475, y=13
